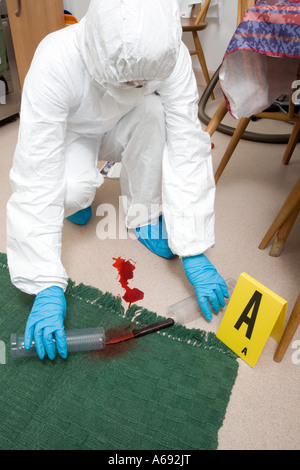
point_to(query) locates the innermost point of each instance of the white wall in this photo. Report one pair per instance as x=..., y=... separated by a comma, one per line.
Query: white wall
x=214, y=38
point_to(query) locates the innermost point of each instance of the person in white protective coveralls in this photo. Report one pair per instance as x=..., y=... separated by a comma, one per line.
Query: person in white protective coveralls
x=119, y=84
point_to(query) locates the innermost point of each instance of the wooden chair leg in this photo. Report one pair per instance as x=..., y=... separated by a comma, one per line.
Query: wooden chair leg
x=283, y=233
x=217, y=117
x=291, y=203
x=289, y=331
x=202, y=60
x=295, y=136
x=240, y=129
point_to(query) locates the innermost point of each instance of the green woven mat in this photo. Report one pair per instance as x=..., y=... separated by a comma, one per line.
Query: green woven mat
x=164, y=391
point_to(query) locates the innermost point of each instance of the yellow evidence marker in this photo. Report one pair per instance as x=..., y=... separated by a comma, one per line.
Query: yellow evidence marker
x=253, y=314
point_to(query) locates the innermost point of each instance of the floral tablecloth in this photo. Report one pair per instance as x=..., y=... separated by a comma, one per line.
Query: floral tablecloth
x=262, y=58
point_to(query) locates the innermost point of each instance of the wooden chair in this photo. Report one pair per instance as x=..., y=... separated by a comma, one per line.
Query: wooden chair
x=193, y=25
x=290, y=330
x=290, y=116
x=288, y=214
x=243, y=6
x=283, y=223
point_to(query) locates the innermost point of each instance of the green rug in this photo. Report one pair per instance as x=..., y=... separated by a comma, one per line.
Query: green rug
x=165, y=391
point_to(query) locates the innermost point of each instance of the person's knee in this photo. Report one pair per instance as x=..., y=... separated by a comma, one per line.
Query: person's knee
x=79, y=195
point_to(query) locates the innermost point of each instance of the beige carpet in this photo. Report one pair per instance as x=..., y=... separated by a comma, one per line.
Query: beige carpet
x=264, y=410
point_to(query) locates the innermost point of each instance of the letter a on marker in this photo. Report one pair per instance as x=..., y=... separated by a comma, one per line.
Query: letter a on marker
x=253, y=314
x=250, y=321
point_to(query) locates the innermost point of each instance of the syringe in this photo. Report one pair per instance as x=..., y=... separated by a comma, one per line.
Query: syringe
x=88, y=339
x=189, y=309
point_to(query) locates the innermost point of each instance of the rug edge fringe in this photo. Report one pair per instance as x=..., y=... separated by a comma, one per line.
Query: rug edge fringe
x=140, y=315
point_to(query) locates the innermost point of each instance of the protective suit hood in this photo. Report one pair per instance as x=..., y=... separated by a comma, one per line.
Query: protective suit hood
x=130, y=40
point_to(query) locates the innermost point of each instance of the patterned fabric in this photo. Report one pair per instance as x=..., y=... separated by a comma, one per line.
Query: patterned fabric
x=262, y=59
x=270, y=27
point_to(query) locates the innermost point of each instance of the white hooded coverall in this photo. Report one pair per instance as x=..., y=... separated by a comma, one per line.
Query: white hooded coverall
x=72, y=109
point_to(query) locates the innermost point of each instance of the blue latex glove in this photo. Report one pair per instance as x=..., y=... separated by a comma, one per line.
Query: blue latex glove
x=207, y=282
x=47, y=318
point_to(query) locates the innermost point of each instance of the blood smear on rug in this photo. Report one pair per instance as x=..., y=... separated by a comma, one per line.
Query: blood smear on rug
x=125, y=269
x=115, y=350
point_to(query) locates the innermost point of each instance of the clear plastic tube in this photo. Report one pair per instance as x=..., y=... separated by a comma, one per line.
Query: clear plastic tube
x=188, y=309
x=89, y=339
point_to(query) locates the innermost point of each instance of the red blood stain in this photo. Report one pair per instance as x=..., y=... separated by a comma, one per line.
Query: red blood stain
x=115, y=350
x=212, y=145
x=125, y=270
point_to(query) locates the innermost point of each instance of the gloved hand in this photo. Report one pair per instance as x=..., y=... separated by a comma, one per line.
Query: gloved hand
x=47, y=318
x=207, y=282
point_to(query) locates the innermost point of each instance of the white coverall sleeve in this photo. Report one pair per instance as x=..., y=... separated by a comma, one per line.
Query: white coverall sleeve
x=188, y=186
x=35, y=211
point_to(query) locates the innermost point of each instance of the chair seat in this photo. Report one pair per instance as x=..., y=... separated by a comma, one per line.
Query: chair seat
x=188, y=24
